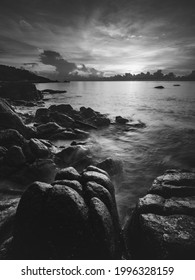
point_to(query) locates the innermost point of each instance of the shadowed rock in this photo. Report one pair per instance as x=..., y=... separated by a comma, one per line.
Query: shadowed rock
x=66, y=221
x=162, y=225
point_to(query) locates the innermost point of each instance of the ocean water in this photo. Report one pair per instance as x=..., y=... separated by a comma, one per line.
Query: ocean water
x=167, y=141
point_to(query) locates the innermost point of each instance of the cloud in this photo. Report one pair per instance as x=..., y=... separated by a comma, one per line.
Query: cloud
x=64, y=68
x=93, y=37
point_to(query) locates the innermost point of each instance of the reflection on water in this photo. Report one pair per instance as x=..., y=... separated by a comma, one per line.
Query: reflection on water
x=167, y=141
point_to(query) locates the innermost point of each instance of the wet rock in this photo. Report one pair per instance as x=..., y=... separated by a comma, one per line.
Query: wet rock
x=51, y=91
x=42, y=115
x=94, y=168
x=48, y=129
x=70, y=183
x=68, y=173
x=100, y=179
x=103, y=229
x=20, y=91
x=121, y=120
x=159, y=87
x=10, y=137
x=101, y=121
x=68, y=220
x=176, y=85
x=15, y=157
x=162, y=225
x=51, y=223
x=88, y=112
x=64, y=135
x=9, y=119
x=7, y=215
x=62, y=119
x=3, y=151
x=112, y=167
x=62, y=108
x=38, y=148
x=76, y=156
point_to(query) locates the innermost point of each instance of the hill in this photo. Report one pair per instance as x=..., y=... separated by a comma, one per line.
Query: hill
x=12, y=74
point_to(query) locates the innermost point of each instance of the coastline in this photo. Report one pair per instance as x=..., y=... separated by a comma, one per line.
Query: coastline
x=27, y=155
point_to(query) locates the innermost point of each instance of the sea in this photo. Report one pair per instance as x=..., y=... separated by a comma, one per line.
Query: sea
x=166, y=142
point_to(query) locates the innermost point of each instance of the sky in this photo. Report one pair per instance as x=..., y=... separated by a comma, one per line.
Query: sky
x=56, y=38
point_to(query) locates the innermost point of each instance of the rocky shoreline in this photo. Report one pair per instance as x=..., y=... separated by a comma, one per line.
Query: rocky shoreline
x=58, y=203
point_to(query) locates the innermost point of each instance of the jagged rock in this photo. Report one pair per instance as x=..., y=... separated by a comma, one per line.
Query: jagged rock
x=68, y=173
x=38, y=148
x=62, y=119
x=15, y=157
x=51, y=91
x=162, y=225
x=88, y=112
x=20, y=91
x=101, y=121
x=9, y=119
x=48, y=129
x=121, y=120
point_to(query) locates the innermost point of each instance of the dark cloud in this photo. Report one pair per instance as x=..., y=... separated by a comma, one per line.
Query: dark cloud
x=64, y=68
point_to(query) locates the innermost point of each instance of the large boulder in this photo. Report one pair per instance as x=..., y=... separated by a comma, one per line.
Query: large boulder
x=20, y=91
x=67, y=220
x=162, y=225
x=10, y=137
x=15, y=157
x=9, y=119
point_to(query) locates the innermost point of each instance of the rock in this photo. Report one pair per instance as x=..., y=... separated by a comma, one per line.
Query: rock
x=99, y=178
x=68, y=173
x=10, y=137
x=94, y=168
x=103, y=230
x=76, y=156
x=15, y=157
x=61, y=108
x=68, y=220
x=159, y=87
x=162, y=225
x=39, y=149
x=176, y=85
x=121, y=120
x=51, y=91
x=20, y=91
x=10, y=120
x=70, y=183
x=48, y=129
x=64, y=135
x=7, y=215
x=88, y=112
x=101, y=121
x=112, y=167
x=42, y=115
x=62, y=119
x=51, y=223
x=3, y=151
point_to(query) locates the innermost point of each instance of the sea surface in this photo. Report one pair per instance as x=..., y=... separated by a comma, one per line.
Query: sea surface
x=167, y=141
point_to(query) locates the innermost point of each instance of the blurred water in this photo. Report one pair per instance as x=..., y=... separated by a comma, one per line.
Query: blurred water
x=168, y=140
